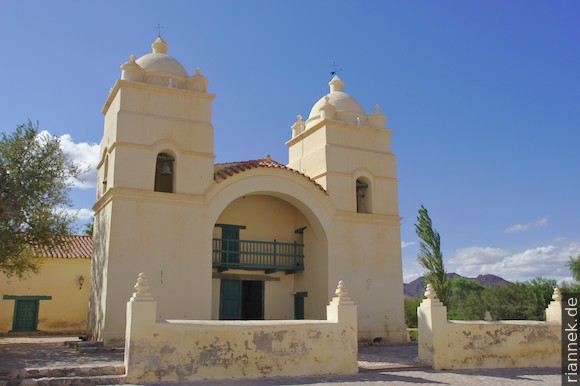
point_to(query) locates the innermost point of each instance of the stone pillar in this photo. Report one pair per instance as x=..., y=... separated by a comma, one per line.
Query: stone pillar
x=554, y=310
x=141, y=316
x=298, y=126
x=377, y=120
x=343, y=311
x=432, y=319
x=342, y=308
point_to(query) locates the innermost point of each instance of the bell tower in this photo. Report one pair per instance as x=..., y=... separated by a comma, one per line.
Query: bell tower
x=347, y=152
x=157, y=155
x=158, y=133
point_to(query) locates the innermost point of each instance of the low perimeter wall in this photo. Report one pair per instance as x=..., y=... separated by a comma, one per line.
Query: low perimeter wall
x=487, y=344
x=181, y=350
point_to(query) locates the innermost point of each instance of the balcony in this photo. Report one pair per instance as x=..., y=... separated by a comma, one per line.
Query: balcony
x=268, y=256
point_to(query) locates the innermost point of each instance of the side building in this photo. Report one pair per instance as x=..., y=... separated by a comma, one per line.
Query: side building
x=243, y=240
x=55, y=299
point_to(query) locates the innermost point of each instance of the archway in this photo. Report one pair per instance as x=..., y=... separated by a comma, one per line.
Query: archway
x=269, y=227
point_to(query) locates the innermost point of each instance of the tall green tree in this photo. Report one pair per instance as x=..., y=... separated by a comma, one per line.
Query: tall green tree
x=430, y=256
x=35, y=177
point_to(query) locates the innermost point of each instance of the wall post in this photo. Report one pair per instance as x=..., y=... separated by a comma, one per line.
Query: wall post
x=432, y=319
x=141, y=315
x=554, y=310
x=342, y=310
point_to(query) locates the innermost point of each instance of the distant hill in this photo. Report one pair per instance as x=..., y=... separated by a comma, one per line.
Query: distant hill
x=417, y=286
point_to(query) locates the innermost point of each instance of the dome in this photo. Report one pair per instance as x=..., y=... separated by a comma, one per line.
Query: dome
x=159, y=61
x=343, y=102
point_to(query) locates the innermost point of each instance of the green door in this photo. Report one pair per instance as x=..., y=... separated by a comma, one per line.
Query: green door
x=25, y=315
x=230, y=300
x=231, y=244
x=241, y=300
x=299, y=305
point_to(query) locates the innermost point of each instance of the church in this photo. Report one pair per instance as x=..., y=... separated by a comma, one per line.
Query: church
x=249, y=240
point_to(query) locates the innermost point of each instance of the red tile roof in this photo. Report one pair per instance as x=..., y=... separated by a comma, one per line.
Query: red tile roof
x=76, y=247
x=223, y=171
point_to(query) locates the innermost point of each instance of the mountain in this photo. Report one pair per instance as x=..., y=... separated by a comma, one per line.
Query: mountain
x=417, y=286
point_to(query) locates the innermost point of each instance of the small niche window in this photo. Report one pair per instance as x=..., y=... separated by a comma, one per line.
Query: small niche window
x=363, y=197
x=164, y=173
x=105, y=174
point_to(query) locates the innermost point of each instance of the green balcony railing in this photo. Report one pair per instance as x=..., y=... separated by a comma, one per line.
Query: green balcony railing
x=269, y=256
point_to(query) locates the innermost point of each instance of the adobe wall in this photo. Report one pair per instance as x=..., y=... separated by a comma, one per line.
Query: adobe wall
x=486, y=344
x=231, y=349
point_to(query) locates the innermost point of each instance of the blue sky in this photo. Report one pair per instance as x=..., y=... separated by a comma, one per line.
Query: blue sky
x=483, y=98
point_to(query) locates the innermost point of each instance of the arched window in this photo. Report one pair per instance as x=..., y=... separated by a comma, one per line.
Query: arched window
x=363, y=196
x=164, y=173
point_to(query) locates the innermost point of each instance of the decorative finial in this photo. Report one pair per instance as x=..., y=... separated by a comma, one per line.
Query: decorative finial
x=336, y=84
x=487, y=317
x=198, y=71
x=341, y=297
x=557, y=296
x=430, y=292
x=299, y=118
x=141, y=289
x=159, y=46
x=142, y=285
x=132, y=58
x=268, y=158
x=327, y=100
x=341, y=290
x=377, y=108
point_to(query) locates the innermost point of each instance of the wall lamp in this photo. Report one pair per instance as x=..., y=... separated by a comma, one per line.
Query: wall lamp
x=81, y=281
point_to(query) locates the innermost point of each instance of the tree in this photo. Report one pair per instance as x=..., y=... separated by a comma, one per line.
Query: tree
x=411, y=305
x=462, y=305
x=574, y=265
x=430, y=256
x=541, y=290
x=88, y=231
x=512, y=302
x=35, y=177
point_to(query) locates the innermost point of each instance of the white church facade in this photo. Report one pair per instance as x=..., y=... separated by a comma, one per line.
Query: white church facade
x=245, y=240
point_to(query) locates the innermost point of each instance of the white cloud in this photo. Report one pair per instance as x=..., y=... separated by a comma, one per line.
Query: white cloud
x=518, y=228
x=81, y=214
x=85, y=214
x=84, y=154
x=545, y=261
x=405, y=244
x=477, y=255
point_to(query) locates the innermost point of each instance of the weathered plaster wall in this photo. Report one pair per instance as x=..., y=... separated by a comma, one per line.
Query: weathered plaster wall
x=180, y=350
x=485, y=344
x=182, y=257
x=58, y=278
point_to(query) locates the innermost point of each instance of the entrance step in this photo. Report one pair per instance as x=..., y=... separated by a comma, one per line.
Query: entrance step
x=72, y=381
x=81, y=375
x=92, y=347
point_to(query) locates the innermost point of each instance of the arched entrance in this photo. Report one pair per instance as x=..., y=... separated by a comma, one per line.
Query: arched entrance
x=269, y=249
